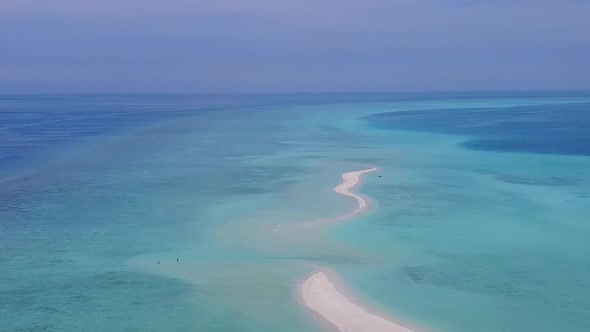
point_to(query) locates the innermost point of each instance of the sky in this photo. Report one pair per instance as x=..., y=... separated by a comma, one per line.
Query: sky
x=201, y=46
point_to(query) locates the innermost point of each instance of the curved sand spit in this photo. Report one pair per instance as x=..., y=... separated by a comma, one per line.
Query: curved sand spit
x=321, y=296
x=349, y=181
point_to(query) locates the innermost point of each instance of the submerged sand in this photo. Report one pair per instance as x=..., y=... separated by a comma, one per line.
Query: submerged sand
x=321, y=296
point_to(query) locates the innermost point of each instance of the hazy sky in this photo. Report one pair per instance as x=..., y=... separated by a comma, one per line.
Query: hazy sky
x=293, y=45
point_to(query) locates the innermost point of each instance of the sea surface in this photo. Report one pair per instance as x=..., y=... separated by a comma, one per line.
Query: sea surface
x=160, y=212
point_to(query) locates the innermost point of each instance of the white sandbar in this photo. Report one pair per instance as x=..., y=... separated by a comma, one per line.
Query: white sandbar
x=349, y=181
x=321, y=296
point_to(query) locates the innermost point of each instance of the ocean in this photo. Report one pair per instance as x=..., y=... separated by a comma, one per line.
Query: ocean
x=158, y=212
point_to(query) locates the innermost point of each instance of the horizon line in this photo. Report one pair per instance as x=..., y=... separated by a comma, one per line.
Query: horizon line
x=302, y=92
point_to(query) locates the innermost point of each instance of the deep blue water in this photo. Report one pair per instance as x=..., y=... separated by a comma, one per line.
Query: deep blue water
x=33, y=127
x=545, y=129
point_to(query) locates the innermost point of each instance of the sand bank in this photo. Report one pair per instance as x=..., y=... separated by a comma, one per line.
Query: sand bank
x=321, y=296
x=349, y=181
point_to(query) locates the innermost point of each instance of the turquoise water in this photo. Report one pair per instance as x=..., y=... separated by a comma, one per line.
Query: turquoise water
x=95, y=190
